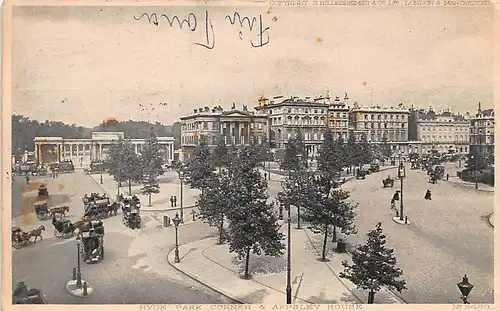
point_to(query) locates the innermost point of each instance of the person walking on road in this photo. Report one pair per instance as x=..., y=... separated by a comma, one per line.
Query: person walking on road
x=171, y=201
x=428, y=195
x=27, y=179
x=447, y=176
x=175, y=201
x=393, y=204
x=395, y=197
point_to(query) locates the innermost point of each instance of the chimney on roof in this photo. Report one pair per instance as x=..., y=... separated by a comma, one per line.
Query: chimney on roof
x=196, y=110
x=479, y=107
x=207, y=109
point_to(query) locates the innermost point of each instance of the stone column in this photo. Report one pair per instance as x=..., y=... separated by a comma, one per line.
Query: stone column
x=100, y=151
x=135, y=147
x=37, y=153
x=71, y=151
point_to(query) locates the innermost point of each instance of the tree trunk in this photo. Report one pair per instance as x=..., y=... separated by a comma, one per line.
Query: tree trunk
x=247, y=262
x=129, y=187
x=334, y=234
x=323, y=255
x=371, y=297
x=221, y=231
x=150, y=199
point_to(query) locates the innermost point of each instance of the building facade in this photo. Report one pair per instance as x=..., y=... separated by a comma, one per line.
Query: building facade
x=338, y=118
x=83, y=151
x=382, y=123
x=443, y=132
x=237, y=126
x=482, y=132
x=287, y=116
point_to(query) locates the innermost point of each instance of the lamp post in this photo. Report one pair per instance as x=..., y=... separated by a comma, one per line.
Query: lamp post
x=465, y=288
x=401, y=175
x=297, y=186
x=289, y=258
x=177, y=221
x=181, y=178
x=101, y=177
x=475, y=167
x=78, y=269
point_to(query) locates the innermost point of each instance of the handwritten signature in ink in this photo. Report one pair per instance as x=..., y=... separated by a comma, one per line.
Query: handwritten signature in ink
x=192, y=23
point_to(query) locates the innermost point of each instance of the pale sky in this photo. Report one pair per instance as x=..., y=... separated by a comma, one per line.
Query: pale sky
x=83, y=64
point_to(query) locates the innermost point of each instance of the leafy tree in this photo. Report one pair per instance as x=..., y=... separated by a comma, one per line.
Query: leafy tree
x=301, y=148
x=328, y=207
x=253, y=226
x=366, y=155
x=199, y=167
x=151, y=159
x=374, y=266
x=266, y=149
x=124, y=164
x=475, y=162
x=385, y=147
x=215, y=201
x=150, y=187
x=352, y=151
x=295, y=153
x=255, y=151
x=221, y=153
x=331, y=156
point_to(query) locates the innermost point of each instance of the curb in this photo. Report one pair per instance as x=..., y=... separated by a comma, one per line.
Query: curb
x=490, y=220
x=468, y=184
x=234, y=299
x=168, y=209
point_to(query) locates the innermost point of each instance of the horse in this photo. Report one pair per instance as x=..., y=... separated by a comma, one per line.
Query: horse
x=36, y=233
x=59, y=210
x=113, y=208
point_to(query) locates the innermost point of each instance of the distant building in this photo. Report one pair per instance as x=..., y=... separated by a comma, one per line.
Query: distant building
x=83, y=151
x=237, y=126
x=482, y=132
x=338, y=117
x=286, y=116
x=378, y=122
x=444, y=132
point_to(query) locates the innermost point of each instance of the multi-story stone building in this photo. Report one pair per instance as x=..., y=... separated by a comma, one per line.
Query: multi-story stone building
x=237, y=127
x=443, y=132
x=286, y=116
x=482, y=132
x=378, y=122
x=338, y=118
x=83, y=151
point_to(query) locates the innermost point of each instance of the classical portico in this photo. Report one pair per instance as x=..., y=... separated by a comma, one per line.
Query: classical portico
x=83, y=151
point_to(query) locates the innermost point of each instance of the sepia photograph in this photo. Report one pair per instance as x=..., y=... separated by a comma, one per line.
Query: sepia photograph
x=272, y=153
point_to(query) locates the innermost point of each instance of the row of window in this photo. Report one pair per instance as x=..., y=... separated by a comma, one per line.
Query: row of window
x=443, y=128
x=385, y=117
x=209, y=125
x=385, y=125
x=296, y=110
x=432, y=138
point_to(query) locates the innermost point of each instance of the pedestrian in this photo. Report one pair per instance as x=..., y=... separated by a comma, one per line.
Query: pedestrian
x=395, y=197
x=447, y=176
x=265, y=175
x=171, y=201
x=428, y=195
x=27, y=179
x=393, y=204
x=175, y=200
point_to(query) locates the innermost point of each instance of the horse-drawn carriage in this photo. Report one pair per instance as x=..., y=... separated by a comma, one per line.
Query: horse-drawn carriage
x=21, y=238
x=21, y=295
x=361, y=174
x=66, y=166
x=43, y=191
x=131, y=211
x=433, y=178
x=41, y=210
x=66, y=229
x=93, y=242
x=98, y=206
x=388, y=182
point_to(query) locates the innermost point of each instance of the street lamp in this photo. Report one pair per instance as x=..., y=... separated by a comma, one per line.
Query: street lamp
x=78, y=268
x=177, y=221
x=465, y=288
x=475, y=167
x=289, y=258
x=298, y=190
x=181, y=178
x=401, y=175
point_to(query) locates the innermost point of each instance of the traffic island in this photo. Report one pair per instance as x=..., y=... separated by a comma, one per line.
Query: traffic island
x=405, y=221
x=82, y=291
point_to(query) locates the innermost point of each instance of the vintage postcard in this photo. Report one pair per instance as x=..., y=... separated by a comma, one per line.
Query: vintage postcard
x=276, y=155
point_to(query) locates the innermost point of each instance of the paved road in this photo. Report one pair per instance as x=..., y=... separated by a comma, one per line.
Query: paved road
x=134, y=269
x=449, y=236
